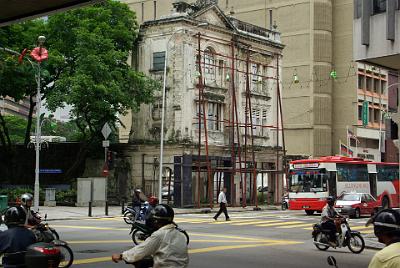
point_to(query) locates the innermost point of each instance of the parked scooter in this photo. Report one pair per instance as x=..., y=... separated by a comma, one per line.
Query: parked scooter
x=141, y=231
x=347, y=238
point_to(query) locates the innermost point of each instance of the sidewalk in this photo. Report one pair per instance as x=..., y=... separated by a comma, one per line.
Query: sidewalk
x=71, y=213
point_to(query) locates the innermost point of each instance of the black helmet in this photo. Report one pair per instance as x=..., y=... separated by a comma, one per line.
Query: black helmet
x=331, y=200
x=163, y=214
x=14, y=216
x=386, y=221
x=26, y=197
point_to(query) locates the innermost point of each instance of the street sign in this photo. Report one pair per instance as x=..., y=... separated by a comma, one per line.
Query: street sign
x=106, y=130
x=106, y=143
x=365, y=115
x=50, y=171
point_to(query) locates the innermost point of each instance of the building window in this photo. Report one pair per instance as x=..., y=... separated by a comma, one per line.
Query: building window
x=377, y=88
x=255, y=76
x=158, y=61
x=376, y=115
x=359, y=112
x=369, y=83
x=361, y=82
x=379, y=6
x=197, y=116
x=214, y=116
x=209, y=62
x=264, y=122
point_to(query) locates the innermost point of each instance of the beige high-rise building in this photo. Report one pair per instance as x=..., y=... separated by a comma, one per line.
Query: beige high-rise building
x=318, y=107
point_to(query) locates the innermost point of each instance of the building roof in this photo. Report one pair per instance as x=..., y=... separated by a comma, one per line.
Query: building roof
x=13, y=11
x=194, y=14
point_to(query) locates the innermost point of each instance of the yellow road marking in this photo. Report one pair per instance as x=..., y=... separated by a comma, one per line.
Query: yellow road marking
x=193, y=221
x=255, y=222
x=226, y=236
x=199, y=250
x=279, y=223
x=191, y=241
x=90, y=227
x=361, y=227
x=231, y=221
x=294, y=226
x=309, y=228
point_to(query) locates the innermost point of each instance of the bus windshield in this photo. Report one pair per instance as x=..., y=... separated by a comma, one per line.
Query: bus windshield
x=308, y=181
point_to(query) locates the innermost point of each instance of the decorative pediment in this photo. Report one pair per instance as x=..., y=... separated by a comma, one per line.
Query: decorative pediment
x=214, y=16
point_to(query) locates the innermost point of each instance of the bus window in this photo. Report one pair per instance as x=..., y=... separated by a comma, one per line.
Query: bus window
x=387, y=173
x=351, y=172
x=308, y=182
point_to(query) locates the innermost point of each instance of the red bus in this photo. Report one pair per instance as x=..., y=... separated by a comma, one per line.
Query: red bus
x=311, y=181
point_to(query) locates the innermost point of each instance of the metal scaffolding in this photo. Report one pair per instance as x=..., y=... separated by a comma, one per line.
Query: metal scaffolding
x=243, y=159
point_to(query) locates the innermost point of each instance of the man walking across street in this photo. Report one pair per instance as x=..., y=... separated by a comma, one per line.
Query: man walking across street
x=222, y=205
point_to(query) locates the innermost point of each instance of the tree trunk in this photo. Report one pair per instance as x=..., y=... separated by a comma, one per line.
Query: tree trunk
x=6, y=136
x=29, y=124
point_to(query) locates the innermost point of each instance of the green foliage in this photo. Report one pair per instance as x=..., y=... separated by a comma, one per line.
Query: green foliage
x=16, y=127
x=15, y=193
x=95, y=78
x=68, y=196
x=87, y=67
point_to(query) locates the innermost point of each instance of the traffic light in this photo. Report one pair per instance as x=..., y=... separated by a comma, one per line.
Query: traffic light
x=110, y=159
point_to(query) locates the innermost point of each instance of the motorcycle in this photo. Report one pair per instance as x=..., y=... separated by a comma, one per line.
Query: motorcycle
x=347, y=238
x=44, y=233
x=140, y=232
x=130, y=216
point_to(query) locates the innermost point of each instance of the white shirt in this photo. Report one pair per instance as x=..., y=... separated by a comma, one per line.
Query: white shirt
x=222, y=198
x=167, y=246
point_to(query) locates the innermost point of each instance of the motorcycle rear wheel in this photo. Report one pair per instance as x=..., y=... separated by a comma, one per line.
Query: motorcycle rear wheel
x=356, y=243
x=137, y=236
x=318, y=238
x=67, y=256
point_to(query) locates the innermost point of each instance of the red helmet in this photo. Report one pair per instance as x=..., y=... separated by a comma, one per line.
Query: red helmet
x=153, y=201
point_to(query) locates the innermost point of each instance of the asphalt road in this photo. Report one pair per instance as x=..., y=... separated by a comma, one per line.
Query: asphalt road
x=252, y=239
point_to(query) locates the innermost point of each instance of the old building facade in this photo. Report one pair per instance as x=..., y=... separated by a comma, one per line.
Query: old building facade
x=217, y=67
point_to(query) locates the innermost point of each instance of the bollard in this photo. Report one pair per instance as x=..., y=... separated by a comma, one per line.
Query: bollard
x=122, y=207
x=90, y=209
x=106, y=208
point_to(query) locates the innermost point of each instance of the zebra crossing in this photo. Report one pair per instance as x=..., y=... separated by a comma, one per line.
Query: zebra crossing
x=267, y=220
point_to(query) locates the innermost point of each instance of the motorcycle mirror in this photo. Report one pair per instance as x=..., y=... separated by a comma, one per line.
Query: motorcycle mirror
x=332, y=261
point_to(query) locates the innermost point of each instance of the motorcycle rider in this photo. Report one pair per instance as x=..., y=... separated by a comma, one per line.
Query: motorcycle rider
x=26, y=204
x=328, y=219
x=387, y=230
x=167, y=245
x=137, y=202
x=16, y=239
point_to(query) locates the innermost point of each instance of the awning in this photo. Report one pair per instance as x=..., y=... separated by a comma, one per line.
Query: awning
x=12, y=11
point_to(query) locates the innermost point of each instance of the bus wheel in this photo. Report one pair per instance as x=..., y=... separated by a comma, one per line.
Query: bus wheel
x=309, y=212
x=385, y=202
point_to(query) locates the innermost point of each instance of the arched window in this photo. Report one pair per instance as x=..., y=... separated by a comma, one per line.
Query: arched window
x=209, y=62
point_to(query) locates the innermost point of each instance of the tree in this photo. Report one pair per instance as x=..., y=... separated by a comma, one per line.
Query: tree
x=87, y=68
x=91, y=71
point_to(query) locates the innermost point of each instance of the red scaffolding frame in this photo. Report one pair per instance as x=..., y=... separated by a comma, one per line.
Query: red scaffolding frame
x=244, y=163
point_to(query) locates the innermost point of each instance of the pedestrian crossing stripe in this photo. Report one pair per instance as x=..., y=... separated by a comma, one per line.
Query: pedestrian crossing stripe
x=279, y=223
x=256, y=222
x=294, y=226
x=232, y=221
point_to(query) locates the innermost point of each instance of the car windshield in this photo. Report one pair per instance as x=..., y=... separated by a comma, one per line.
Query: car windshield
x=308, y=181
x=350, y=197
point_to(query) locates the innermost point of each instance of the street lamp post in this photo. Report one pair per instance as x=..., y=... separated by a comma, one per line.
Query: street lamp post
x=41, y=41
x=38, y=54
x=163, y=109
